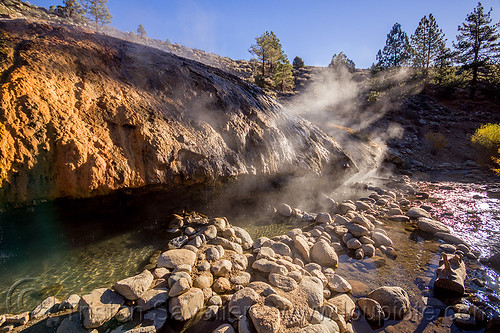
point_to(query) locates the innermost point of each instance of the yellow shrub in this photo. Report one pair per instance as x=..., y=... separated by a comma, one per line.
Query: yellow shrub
x=487, y=136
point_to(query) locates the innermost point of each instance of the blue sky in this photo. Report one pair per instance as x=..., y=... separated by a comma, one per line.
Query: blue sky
x=313, y=30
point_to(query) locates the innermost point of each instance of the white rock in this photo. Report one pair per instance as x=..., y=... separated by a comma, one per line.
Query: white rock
x=176, y=257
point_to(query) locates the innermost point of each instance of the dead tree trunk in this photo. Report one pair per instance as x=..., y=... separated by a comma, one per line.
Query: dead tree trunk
x=450, y=277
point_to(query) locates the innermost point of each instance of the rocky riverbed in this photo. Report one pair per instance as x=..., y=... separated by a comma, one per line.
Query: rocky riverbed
x=354, y=265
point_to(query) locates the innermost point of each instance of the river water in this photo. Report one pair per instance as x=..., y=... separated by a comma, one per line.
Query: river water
x=60, y=248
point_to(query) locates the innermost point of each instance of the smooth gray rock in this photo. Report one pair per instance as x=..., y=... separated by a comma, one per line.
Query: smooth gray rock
x=417, y=212
x=45, y=307
x=432, y=226
x=187, y=305
x=394, y=300
x=371, y=309
x=134, y=287
x=283, y=282
x=99, y=306
x=176, y=257
x=264, y=318
x=242, y=300
x=323, y=254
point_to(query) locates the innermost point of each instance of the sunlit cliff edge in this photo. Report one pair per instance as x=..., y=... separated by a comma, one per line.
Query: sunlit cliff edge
x=84, y=114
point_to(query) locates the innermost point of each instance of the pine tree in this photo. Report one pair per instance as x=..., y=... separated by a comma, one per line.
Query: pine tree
x=427, y=43
x=341, y=60
x=298, y=62
x=141, y=31
x=476, y=43
x=396, y=50
x=268, y=51
x=283, y=76
x=97, y=11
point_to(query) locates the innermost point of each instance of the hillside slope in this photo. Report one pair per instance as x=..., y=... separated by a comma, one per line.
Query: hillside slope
x=84, y=114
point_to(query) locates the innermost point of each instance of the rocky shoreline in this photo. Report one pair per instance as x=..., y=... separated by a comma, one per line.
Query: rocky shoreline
x=213, y=271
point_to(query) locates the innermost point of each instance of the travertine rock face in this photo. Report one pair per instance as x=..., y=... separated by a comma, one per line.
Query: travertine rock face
x=83, y=114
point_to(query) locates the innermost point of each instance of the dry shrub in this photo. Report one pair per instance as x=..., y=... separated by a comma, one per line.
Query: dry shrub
x=436, y=140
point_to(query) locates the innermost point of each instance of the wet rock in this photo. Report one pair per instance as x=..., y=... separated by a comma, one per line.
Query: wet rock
x=134, y=287
x=176, y=257
x=357, y=230
x=44, y=308
x=494, y=261
x=323, y=254
x=464, y=248
x=222, y=268
x=353, y=244
x=417, y=212
x=185, y=306
x=264, y=318
x=448, y=248
x=371, y=309
x=338, y=284
x=224, y=328
x=493, y=325
x=394, y=301
x=344, y=305
x=242, y=300
x=399, y=218
x=464, y=320
x=432, y=226
x=381, y=239
x=449, y=238
x=222, y=285
x=71, y=324
x=283, y=282
x=285, y=210
x=278, y=301
x=99, y=306
x=312, y=288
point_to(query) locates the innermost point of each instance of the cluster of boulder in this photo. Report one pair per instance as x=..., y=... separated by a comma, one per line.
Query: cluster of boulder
x=284, y=283
x=287, y=282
